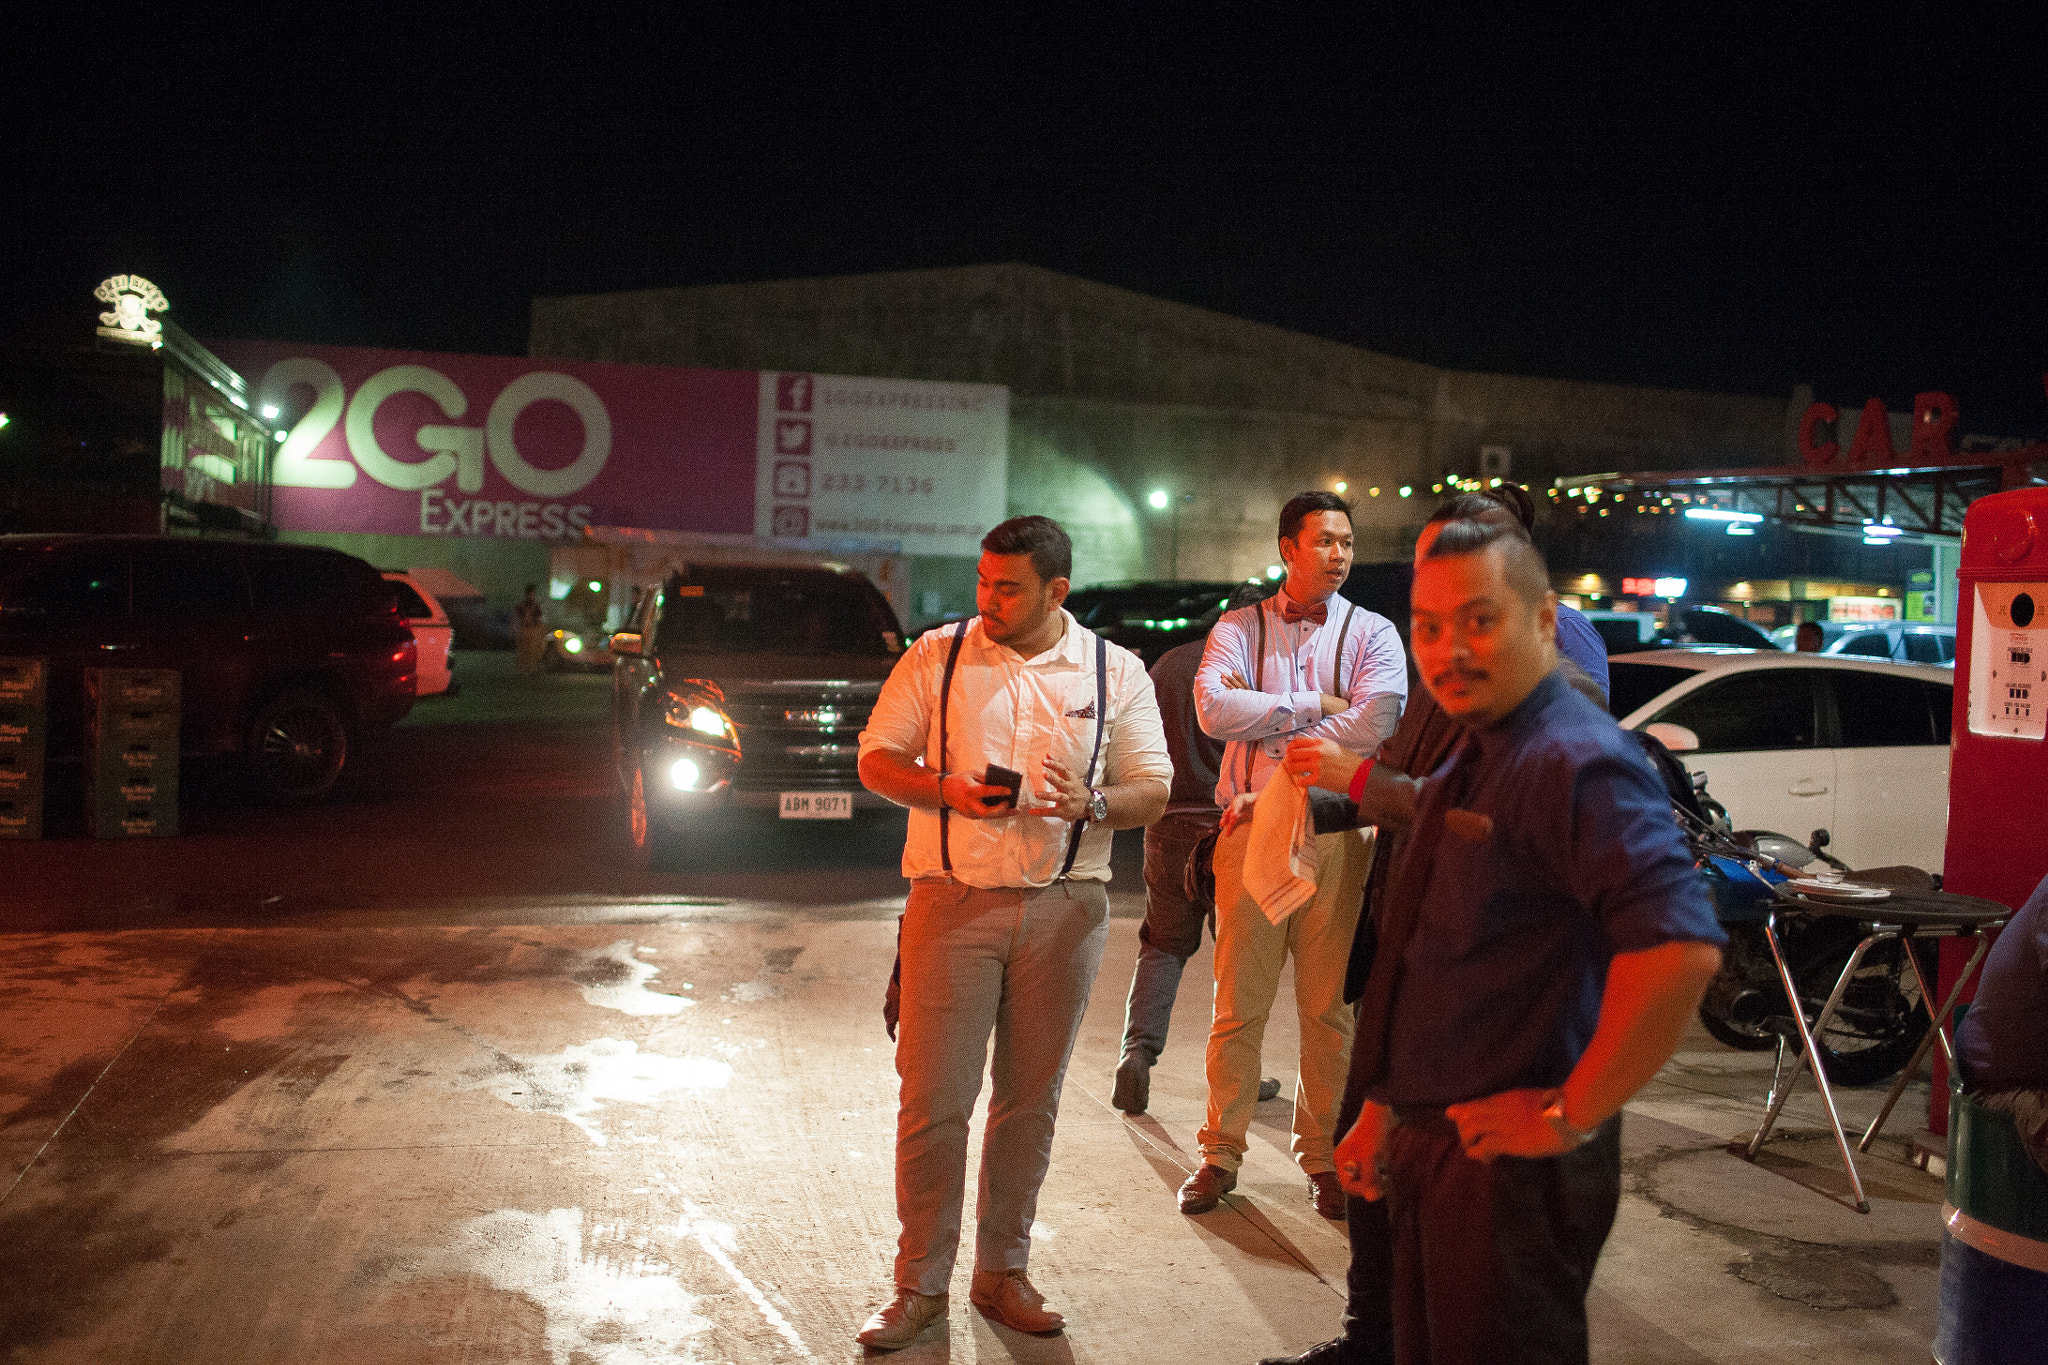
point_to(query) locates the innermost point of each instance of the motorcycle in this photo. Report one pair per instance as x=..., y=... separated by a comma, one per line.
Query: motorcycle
x=1880, y=1019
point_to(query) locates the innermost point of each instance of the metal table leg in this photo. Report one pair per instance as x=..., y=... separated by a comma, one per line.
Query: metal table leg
x=1938, y=1028
x=1810, y=1052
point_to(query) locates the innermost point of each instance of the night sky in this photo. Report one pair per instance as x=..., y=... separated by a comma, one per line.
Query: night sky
x=1739, y=202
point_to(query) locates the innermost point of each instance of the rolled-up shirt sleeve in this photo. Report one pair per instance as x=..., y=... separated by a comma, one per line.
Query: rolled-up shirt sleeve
x=1622, y=855
x=1135, y=745
x=1378, y=691
x=1229, y=713
x=901, y=720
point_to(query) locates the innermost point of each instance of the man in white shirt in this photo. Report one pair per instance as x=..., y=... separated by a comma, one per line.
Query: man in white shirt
x=1008, y=909
x=1305, y=662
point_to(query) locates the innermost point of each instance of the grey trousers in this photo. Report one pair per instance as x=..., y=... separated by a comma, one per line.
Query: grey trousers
x=1018, y=964
x=1170, y=935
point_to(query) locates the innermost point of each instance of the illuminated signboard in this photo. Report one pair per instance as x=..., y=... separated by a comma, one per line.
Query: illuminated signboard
x=134, y=299
x=1653, y=587
x=429, y=443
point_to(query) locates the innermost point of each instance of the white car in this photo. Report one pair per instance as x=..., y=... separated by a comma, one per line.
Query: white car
x=1901, y=641
x=1800, y=742
x=431, y=631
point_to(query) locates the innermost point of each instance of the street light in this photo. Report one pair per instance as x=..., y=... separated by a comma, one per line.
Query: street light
x=1161, y=500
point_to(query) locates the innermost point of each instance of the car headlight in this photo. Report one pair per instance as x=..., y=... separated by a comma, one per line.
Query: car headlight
x=683, y=775
x=573, y=644
x=701, y=722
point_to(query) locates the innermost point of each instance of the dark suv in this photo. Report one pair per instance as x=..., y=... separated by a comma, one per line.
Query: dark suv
x=740, y=685
x=288, y=653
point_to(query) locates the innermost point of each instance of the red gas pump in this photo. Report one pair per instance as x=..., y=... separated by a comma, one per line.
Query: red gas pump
x=1998, y=768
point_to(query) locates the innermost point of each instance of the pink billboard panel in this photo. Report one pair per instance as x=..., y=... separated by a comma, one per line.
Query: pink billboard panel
x=431, y=443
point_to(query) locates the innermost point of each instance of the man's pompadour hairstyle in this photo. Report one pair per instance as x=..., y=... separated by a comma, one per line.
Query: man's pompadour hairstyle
x=1302, y=506
x=1520, y=560
x=1045, y=540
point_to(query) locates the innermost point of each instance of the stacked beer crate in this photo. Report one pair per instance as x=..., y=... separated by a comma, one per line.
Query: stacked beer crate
x=23, y=733
x=132, y=745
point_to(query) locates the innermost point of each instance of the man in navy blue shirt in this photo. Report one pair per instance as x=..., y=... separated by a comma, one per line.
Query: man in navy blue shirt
x=1546, y=939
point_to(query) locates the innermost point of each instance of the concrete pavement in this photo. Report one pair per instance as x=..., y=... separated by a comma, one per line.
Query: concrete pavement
x=670, y=1139
x=436, y=1073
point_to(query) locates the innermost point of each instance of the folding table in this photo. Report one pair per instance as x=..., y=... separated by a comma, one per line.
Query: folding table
x=1906, y=915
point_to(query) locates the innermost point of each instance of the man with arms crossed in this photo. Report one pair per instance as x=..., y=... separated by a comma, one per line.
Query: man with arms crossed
x=1008, y=910
x=1546, y=939
x=1303, y=662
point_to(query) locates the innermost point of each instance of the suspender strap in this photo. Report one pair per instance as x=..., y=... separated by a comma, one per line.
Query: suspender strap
x=945, y=694
x=1343, y=633
x=1249, y=746
x=1101, y=715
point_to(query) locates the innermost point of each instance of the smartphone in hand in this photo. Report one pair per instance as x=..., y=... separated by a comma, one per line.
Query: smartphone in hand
x=999, y=776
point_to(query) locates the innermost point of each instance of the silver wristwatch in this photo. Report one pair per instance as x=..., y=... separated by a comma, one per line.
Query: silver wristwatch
x=1553, y=1114
x=1098, y=807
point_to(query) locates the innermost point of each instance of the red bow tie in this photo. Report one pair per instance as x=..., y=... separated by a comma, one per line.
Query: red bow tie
x=1292, y=612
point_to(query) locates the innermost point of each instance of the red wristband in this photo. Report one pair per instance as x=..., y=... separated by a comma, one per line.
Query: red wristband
x=1357, y=791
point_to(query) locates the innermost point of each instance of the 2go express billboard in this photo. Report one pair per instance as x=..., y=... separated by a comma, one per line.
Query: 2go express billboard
x=426, y=443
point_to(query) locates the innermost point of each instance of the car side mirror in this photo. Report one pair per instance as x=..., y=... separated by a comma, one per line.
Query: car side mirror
x=627, y=642
x=1677, y=738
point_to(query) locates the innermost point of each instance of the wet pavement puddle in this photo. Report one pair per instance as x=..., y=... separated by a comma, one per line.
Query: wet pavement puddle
x=579, y=1081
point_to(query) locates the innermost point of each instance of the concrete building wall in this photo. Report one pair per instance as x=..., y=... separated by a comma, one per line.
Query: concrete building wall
x=1115, y=394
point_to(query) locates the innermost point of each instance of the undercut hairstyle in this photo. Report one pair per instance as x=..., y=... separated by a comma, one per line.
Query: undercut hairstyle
x=1520, y=562
x=1045, y=540
x=1302, y=506
x=1494, y=505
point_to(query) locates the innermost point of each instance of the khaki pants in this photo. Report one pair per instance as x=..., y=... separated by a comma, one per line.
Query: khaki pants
x=1250, y=952
x=1018, y=964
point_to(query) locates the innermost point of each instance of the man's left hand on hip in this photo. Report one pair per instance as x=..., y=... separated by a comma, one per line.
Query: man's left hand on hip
x=1508, y=1124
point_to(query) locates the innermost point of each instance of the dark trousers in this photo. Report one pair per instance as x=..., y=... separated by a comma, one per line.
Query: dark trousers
x=1368, y=1321
x=1491, y=1260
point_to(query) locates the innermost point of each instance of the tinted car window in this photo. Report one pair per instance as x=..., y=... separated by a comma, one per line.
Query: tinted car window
x=411, y=605
x=1619, y=635
x=1923, y=648
x=188, y=580
x=1770, y=708
x=1873, y=710
x=82, y=585
x=784, y=615
x=295, y=582
x=1870, y=644
x=1632, y=686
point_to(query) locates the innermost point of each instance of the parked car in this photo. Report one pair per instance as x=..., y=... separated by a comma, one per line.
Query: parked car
x=1917, y=642
x=1717, y=626
x=747, y=686
x=290, y=655
x=1799, y=742
x=1623, y=631
x=1901, y=641
x=431, y=631
x=1152, y=617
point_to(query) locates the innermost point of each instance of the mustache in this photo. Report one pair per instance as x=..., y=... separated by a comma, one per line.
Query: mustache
x=1462, y=674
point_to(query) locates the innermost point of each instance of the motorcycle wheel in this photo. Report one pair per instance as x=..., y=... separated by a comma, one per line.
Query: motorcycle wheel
x=1741, y=1037
x=1879, y=1022
x=1876, y=1027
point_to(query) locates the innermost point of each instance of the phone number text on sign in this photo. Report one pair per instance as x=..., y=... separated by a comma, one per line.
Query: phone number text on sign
x=909, y=486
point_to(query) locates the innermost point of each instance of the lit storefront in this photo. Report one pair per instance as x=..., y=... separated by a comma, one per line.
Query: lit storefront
x=131, y=425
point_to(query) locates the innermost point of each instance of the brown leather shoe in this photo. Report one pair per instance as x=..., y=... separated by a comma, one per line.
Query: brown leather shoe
x=897, y=1322
x=1202, y=1190
x=1326, y=1194
x=1007, y=1296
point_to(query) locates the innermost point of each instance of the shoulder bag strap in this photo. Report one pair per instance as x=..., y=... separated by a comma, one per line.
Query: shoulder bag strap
x=945, y=694
x=1101, y=718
